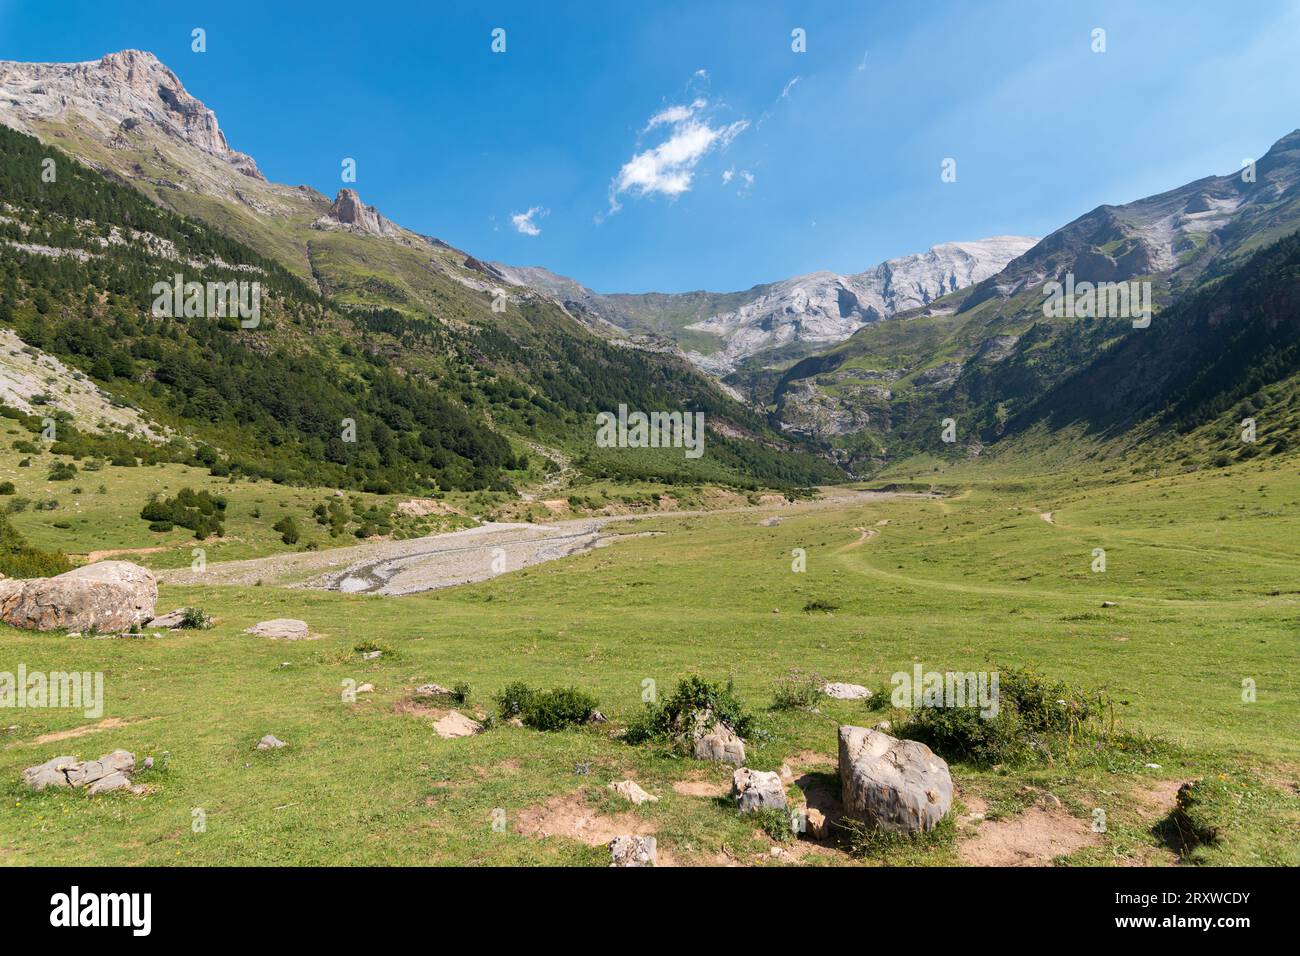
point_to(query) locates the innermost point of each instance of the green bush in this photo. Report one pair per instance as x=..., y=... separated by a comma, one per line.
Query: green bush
x=288, y=529
x=194, y=620
x=545, y=710
x=693, y=704
x=7, y=488
x=1037, y=719
x=18, y=559
x=199, y=511
x=63, y=471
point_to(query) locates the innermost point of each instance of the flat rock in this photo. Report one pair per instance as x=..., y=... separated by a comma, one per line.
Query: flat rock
x=456, y=724
x=105, y=597
x=110, y=772
x=432, y=690
x=842, y=691
x=757, y=790
x=899, y=786
x=49, y=774
x=270, y=742
x=280, y=629
x=170, y=619
x=629, y=790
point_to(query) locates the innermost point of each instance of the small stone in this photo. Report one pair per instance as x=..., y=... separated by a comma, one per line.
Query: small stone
x=270, y=742
x=786, y=774
x=776, y=852
x=432, y=690
x=1109, y=604
x=371, y=655
x=366, y=689
x=629, y=790
x=148, y=763
x=596, y=717
x=815, y=824
x=721, y=744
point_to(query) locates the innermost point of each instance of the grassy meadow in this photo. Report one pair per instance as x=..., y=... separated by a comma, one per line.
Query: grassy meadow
x=1202, y=570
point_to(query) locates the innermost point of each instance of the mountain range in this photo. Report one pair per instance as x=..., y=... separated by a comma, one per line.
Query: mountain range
x=858, y=369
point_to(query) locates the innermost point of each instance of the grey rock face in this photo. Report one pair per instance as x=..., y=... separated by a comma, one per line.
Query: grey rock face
x=900, y=786
x=757, y=790
x=105, y=597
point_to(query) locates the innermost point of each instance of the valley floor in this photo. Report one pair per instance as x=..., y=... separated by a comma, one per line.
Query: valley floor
x=1200, y=580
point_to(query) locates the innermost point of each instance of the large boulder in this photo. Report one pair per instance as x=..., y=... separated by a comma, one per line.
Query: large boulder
x=900, y=786
x=105, y=597
x=757, y=790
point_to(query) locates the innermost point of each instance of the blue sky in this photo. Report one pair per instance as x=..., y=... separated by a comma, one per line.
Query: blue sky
x=683, y=145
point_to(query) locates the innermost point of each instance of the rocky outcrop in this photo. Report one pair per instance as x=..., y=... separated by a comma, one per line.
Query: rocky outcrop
x=900, y=786
x=112, y=97
x=106, y=597
x=110, y=772
x=348, y=211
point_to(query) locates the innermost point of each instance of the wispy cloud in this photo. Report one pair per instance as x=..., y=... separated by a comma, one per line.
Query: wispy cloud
x=668, y=168
x=788, y=87
x=523, y=221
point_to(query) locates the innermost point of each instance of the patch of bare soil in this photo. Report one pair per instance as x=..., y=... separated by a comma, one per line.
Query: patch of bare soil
x=93, y=556
x=108, y=723
x=1033, y=838
x=700, y=788
x=418, y=708
x=807, y=759
x=571, y=816
x=1159, y=799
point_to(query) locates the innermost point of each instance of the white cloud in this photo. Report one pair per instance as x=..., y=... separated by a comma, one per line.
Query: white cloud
x=523, y=221
x=669, y=167
x=727, y=175
x=788, y=87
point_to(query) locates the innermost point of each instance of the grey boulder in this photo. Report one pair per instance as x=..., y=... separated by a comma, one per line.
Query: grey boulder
x=900, y=786
x=757, y=790
x=105, y=597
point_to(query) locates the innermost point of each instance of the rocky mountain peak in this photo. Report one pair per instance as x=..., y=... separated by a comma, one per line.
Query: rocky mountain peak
x=112, y=95
x=348, y=210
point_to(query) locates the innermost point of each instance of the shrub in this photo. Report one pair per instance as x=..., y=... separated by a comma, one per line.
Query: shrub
x=693, y=704
x=775, y=822
x=820, y=605
x=194, y=620
x=63, y=471
x=18, y=559
x=513, y=699
x=288, y=529
x=544, y=710
x=558, y=708
x=460, y=692
x=1037, y=719
x=7, y=488
x=797, y=690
